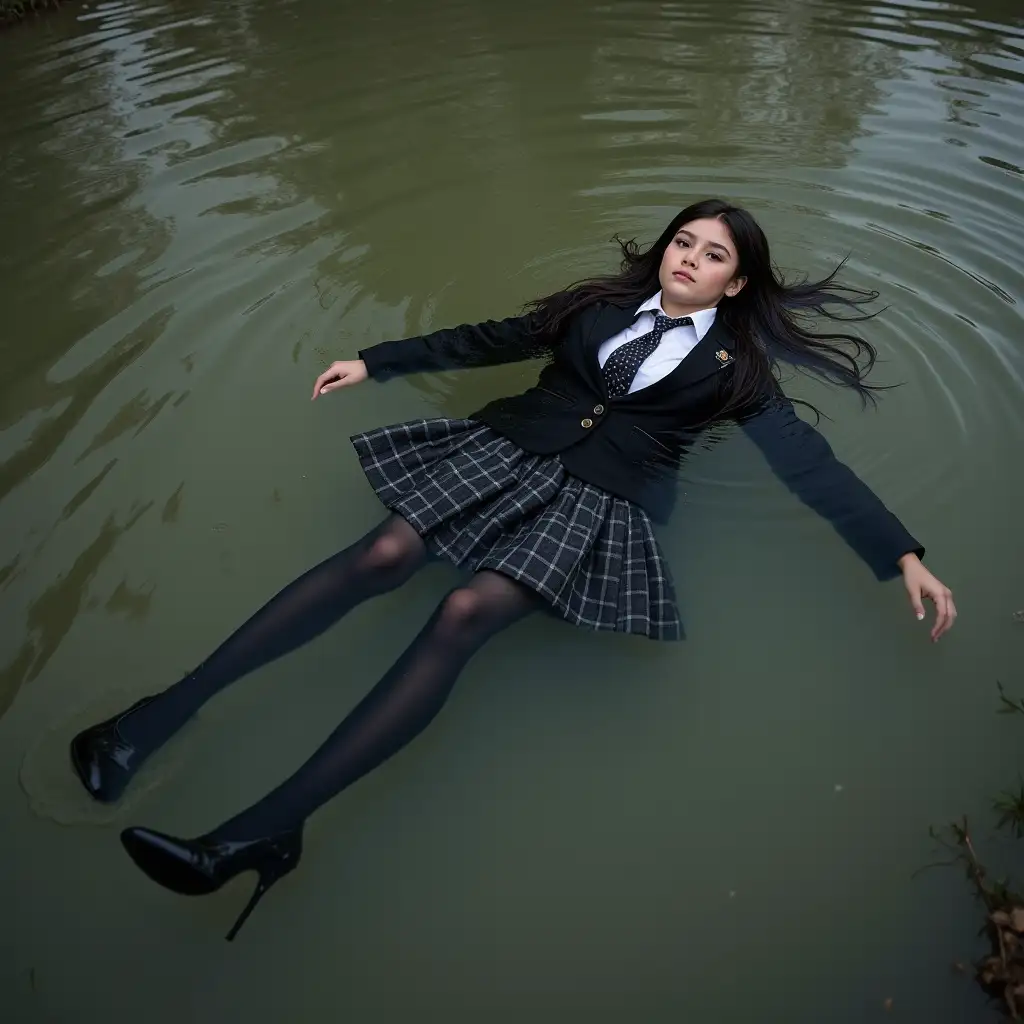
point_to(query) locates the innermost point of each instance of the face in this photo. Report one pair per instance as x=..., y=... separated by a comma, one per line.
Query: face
x=699, y=268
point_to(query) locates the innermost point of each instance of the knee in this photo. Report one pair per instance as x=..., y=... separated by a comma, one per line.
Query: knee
x=463, y=611
x=390, y=552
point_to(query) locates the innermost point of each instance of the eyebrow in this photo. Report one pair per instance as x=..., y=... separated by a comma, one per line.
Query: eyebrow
x=712, y=245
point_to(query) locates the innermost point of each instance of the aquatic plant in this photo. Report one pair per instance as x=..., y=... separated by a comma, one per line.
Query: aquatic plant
x=1000, y=972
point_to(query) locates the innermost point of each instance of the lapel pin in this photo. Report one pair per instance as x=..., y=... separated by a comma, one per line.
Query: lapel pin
x=722, y=356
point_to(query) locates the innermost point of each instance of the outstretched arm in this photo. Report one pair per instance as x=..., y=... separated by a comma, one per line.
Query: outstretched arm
x=802, y=458
x=486, y=344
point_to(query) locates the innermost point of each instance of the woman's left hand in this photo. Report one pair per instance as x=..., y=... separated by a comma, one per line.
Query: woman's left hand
x=920, y=583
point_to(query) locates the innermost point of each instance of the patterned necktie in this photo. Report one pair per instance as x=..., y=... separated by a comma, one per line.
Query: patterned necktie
x=622, y=365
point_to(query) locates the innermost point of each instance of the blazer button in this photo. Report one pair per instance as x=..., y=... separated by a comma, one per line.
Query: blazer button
x=598, y=409
x=586, y=423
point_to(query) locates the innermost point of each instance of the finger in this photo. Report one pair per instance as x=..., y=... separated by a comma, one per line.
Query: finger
x=941, y=599
x=940, y=616
x=319, y=382
x=334, y=385
x=945, y=623
x=916, y=603
x=950, y=612
x=327, y=375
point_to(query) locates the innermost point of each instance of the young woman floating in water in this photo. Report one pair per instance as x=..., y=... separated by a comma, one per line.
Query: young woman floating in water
x=547, y=497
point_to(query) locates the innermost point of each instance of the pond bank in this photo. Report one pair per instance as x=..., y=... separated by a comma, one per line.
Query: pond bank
x=15, y=11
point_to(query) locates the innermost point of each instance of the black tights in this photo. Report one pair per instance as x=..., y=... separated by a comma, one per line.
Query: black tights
x=394, y=712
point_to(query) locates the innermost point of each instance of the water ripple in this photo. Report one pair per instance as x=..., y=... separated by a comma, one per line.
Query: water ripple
x=212, y=201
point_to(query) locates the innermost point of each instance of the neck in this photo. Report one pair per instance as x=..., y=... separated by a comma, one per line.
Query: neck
x=677, y=309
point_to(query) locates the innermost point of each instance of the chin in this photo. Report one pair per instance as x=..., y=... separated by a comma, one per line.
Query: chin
x=681, y=291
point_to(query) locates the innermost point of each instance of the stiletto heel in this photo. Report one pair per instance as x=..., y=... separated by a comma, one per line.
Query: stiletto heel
x=262, y=887
x=104, y=760
x=197, y=867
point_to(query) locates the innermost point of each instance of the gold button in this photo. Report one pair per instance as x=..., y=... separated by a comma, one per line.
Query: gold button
x=586, y=423
x=598, y=409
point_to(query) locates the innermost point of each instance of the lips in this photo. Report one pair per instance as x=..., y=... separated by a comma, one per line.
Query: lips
x=682, y=275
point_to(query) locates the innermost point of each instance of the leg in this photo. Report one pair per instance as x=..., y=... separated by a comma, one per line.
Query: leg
x=396, y=710
x=267, y=838
x=108, y=754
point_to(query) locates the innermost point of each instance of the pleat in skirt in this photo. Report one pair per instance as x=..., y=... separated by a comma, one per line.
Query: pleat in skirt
x=480, y=501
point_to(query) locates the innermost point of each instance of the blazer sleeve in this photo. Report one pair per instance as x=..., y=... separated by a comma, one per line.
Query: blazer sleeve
x=487, y=344
x=805, y=462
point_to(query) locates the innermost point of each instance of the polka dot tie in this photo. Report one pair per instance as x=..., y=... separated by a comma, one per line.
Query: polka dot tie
x=622, y=365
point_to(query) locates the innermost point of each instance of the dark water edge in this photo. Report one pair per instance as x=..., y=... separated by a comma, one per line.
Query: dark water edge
x=13, y=12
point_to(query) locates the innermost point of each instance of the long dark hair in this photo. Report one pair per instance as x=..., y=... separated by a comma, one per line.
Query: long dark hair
x=769, y=317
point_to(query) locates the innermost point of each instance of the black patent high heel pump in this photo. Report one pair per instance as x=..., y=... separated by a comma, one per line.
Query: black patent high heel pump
x=196, y=867
x=104, y=760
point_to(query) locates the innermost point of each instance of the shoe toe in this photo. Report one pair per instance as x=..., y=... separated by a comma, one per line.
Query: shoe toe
x=104, y=759
x=102, y=785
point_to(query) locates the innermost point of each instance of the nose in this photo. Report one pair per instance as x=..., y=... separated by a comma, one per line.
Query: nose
x=688, y=258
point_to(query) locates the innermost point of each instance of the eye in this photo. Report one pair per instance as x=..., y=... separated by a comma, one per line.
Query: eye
x=716, y=256
x=682, y=241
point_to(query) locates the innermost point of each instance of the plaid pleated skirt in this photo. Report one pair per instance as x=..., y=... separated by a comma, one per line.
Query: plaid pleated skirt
x=480, y=501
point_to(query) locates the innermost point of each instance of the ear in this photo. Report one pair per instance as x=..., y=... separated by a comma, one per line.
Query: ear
x=735, y=286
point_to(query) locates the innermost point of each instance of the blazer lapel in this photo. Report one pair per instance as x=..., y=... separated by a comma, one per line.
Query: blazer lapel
x=609, y=321
x=714, y=352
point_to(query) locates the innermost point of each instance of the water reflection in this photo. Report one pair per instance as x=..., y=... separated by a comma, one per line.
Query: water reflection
x=210, y=202
x=68, y=402
x=51, y=615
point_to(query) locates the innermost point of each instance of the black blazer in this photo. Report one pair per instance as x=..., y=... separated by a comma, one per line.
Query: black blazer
x=632, y=446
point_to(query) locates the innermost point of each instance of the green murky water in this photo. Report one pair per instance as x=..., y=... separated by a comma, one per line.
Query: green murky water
x=204, y=203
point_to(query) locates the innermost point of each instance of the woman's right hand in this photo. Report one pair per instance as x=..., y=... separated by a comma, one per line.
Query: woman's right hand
x=342, y=374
